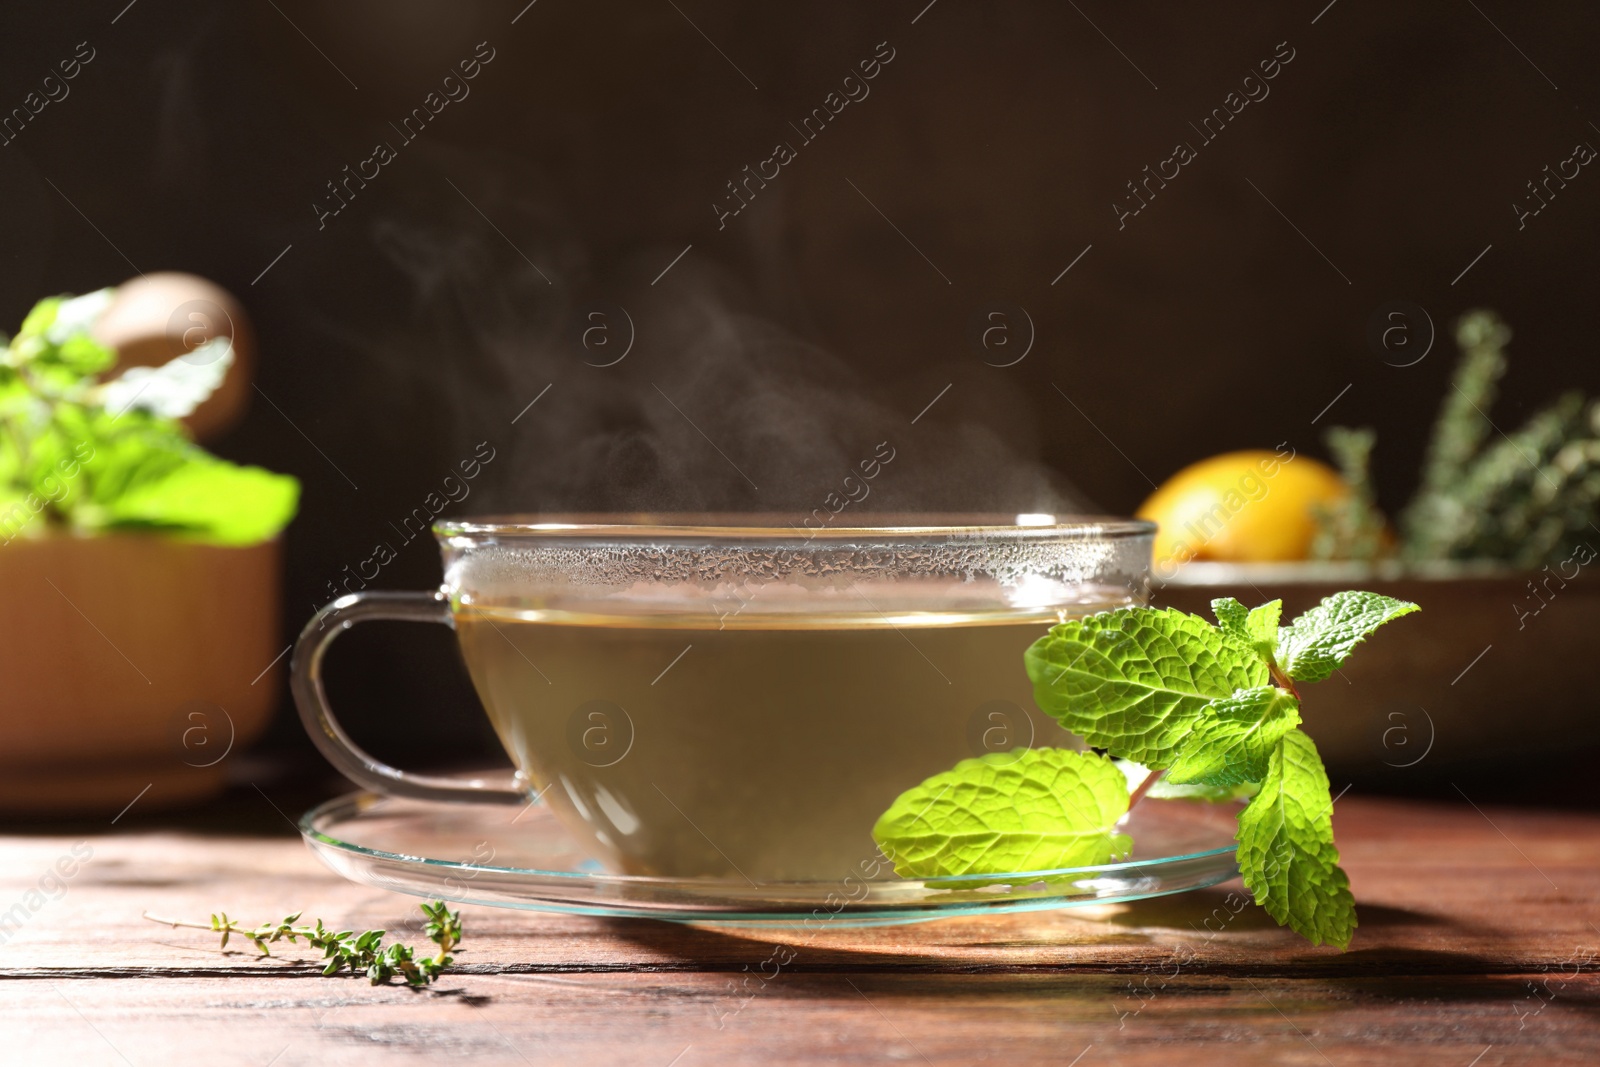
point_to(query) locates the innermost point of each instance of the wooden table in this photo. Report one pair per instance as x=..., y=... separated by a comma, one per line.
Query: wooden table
x=1479, y=945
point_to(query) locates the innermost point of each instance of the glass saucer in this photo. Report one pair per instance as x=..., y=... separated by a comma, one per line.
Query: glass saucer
x=510, y=858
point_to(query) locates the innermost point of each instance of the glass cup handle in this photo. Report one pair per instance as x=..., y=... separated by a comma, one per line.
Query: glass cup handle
x=349, y=758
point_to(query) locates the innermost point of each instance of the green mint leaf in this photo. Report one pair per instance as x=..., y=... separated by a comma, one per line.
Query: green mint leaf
x=41, y=318
x=1311, y=647
x=82, y=355
x=1234, y=738
x=75, y=316
x=210, y=500
x=1256, y=627
x=1231, y=617
x=1261, y=627
x=1024, y=810
x=1133, y=681
x=1286, y=851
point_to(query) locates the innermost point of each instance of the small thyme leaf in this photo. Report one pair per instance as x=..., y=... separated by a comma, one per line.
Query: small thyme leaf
x=362, y=953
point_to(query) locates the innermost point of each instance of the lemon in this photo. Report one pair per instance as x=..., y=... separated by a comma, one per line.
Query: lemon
x=1240, y=507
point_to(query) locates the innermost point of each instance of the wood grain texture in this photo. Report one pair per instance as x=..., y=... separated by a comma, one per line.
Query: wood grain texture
x=1479, y=930
x=648, y=1020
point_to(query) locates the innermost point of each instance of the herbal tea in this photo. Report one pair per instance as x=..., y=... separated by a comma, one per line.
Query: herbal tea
x=760, y=747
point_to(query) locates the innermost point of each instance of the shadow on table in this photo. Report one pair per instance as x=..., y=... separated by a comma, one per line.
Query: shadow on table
x=1004, y=958
x=1209, y=912
x=1138, y=937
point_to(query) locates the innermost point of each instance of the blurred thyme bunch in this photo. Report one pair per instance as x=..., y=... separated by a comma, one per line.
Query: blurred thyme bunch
x=1352, y=528
x=346, y=950
x=1523, y=498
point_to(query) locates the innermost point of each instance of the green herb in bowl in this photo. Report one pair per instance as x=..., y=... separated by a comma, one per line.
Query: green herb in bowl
x=88, y=456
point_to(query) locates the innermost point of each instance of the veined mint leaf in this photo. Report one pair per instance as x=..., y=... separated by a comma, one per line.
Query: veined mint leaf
x=1317, y=642
x=1256, y=627
x=1262, y=626
x=1234, y=738
x=1286, y=851
x=1133, y=681
x=1231, y=616
x=1029, y=810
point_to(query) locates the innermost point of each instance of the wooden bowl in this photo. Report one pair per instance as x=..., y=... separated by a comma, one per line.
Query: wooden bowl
x=1485, y=670
x=133, y=666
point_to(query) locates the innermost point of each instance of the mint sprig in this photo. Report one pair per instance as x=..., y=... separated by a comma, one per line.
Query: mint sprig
x=1214, y=708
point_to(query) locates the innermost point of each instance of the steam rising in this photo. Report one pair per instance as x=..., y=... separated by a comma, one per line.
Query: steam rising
x=715, y=407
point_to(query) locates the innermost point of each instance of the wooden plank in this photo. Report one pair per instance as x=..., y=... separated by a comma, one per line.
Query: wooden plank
x=694, y=1020
x=1477, y=944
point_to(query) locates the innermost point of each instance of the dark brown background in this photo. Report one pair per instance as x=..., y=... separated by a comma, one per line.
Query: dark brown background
x=408, y=329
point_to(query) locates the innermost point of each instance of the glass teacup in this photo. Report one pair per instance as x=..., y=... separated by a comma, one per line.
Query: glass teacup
x=710, y=696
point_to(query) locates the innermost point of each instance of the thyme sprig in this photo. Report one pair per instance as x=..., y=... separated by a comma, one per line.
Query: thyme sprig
x=1527, y=497
x=346, y=950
